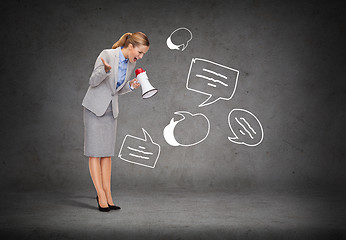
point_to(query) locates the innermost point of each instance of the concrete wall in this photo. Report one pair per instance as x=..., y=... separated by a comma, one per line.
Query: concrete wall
x=290, y=56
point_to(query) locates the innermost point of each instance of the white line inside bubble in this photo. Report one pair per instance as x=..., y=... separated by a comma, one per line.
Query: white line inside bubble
x=244, y=127
x=212, y=85
x=248, y=125
x=141, y=147
x=212, y=79
x=241, y=132
x=136, y=150
x=134, y=155
x=215, y=73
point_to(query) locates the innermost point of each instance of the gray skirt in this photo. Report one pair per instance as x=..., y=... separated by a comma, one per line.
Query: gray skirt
x=99, y=133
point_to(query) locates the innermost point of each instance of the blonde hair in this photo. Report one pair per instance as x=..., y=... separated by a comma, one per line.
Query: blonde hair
x=137, y=38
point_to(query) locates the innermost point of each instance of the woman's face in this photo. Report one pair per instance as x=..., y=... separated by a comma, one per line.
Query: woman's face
x=136, y=53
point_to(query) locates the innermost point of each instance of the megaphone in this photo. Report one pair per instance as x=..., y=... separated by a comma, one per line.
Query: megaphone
x=147, y=89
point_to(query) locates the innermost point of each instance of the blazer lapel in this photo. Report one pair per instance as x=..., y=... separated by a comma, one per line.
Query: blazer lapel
x=115, y=70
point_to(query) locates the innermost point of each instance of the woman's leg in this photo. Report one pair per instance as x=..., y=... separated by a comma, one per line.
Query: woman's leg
x=106, y=169
x=95, y=172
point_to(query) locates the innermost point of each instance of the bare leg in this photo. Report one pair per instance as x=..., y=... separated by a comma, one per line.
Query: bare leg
x=106, y=169
x=95, y=173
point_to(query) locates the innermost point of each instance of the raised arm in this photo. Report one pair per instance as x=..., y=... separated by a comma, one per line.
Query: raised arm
x=101, y=70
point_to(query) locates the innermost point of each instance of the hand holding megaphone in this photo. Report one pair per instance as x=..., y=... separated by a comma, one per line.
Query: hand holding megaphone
x=134, y=83
x=147, y=89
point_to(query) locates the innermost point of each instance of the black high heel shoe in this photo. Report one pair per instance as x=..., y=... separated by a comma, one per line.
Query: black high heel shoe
x=113, y=207
x=102, y=209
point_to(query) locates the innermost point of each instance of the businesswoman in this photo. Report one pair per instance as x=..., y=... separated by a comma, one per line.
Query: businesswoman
x=109, y=79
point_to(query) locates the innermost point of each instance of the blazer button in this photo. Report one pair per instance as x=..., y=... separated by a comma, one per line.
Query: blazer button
x=113, y=94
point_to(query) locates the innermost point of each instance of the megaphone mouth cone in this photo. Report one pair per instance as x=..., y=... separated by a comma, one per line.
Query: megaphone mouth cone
x=149, y=93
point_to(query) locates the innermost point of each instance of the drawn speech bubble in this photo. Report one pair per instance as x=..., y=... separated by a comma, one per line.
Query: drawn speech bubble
x=212, y=79
x=180, y=46
x=245, y=127
x=191, y=119
x=140, y=151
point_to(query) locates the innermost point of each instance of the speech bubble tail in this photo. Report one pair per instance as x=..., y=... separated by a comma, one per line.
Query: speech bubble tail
x=208, y=101
x=184, y=46
x=146, y=135
x=233, y=140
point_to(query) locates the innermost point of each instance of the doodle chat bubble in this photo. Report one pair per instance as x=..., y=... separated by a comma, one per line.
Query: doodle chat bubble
x=212, y=79
x=184, y=42
x=140, y=151
x=194, y=129
x=245, y=127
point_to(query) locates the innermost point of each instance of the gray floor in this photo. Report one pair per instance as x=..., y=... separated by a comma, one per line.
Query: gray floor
x=173, y=215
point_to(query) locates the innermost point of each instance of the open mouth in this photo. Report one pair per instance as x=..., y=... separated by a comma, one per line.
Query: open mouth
x=135, y=59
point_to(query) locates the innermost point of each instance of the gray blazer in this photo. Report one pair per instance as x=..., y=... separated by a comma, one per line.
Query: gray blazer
x=102, y=87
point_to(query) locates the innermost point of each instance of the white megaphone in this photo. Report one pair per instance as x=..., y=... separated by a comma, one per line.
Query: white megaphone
x=147, y=89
